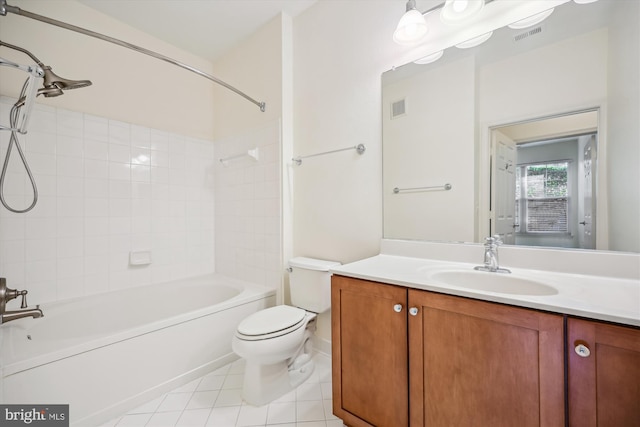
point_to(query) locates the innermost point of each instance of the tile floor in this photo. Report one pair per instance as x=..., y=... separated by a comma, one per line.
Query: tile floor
x=214, y=400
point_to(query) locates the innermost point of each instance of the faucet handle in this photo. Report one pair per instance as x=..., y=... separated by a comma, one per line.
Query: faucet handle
x=494, y=240
x=24, y=298
x=10, y=294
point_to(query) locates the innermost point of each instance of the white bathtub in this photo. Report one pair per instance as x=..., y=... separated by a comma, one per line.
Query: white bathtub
x=108, y=353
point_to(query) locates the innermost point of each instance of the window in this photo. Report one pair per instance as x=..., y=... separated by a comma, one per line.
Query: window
x=542, y=197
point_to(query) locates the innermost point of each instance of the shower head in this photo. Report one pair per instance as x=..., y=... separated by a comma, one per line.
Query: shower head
x=50, y=92
x=53, y=84
x=52, y=80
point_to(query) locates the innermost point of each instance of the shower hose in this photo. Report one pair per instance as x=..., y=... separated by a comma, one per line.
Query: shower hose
x=13, y=140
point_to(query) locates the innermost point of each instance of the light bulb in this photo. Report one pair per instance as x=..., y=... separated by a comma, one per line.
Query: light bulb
x=455, y=11
x=411, y=28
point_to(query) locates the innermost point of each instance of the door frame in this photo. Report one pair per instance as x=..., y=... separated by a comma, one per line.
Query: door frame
x=484, y=160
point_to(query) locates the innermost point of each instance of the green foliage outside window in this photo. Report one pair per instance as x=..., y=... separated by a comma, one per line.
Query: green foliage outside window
x=546, y=190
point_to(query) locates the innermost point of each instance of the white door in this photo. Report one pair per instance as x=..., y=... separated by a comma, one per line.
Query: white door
x=503, y=186
x=588, y=223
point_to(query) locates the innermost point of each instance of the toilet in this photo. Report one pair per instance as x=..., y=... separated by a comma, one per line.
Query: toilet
x=276, y=342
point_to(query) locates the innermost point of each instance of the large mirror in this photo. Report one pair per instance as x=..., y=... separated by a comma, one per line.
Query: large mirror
x=533, y=135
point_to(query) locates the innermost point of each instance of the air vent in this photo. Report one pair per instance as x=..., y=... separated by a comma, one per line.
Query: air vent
x=527, y=34
x=398, y=108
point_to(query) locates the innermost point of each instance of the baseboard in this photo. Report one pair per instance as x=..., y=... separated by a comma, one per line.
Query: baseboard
x=321, y=345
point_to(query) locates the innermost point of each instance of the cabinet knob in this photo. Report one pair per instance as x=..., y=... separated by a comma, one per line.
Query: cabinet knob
x=397, y=308
x=582, y=350
x=413, y=311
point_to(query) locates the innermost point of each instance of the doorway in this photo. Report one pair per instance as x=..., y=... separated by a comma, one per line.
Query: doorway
x=543, y=181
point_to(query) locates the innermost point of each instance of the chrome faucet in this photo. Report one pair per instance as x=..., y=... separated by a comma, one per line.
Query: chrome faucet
x=491, y=263
x=7, y=295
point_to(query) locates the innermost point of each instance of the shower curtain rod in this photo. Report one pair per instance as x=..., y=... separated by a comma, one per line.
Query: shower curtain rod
x=4, y=8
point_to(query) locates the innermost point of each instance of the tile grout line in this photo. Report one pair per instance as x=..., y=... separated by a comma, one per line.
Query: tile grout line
x=230, y=370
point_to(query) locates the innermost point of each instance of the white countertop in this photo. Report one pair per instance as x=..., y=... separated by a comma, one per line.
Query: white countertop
x=597, y=297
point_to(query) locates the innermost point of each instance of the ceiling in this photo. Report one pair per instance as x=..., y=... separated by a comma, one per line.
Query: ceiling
x=207, y=28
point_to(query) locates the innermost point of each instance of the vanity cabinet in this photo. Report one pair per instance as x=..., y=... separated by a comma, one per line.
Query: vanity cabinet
x=405, y=357
x=476, y=363
x=603, y=374
x=369, y=353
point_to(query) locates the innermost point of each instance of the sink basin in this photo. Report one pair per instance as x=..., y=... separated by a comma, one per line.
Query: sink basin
x=492, y=282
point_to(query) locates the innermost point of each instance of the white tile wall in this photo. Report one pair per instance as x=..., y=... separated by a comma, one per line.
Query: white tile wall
x=105, y=188
x=248, y=209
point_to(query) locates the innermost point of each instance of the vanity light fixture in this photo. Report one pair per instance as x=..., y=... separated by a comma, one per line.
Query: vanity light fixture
x=429, y=58
x=455, y=11
x=532, y=20
x=585, y=1
x=412, y=26
x=476, y=41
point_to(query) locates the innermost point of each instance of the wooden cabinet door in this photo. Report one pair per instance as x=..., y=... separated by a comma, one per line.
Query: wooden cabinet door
x=369, y=353
x=475, y=363
x=604, y=380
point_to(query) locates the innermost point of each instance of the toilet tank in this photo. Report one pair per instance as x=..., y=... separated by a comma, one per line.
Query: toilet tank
x=310, y=283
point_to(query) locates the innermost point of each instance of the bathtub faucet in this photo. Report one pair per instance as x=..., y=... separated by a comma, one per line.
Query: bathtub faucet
x=7, y=295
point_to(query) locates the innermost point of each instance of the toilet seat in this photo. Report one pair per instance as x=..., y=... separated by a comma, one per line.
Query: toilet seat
x=271, y=323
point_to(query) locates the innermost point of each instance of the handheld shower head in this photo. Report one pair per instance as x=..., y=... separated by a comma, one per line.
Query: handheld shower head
x=49, y=92
x=52, y=80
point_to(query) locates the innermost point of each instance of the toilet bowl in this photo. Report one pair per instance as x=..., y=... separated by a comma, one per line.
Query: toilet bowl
x=276, y=346
x=276, y=342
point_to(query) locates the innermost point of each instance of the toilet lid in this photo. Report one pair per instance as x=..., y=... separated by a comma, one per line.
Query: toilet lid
x=271, y=320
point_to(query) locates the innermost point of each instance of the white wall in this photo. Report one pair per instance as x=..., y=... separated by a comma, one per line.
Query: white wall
x=340, y=50
x=337, y=69
x=531, y=84
x=425, y=149
x=624, y=123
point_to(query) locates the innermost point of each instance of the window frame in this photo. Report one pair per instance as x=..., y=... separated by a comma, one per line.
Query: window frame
x=521, y=216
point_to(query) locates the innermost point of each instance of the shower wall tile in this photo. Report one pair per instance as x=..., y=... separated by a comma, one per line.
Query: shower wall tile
x=96, y=128
x=97, y=150
x=105, y=188
x=43, y=119
x=119, y=133
x=70, y=123
x=72, y=146
x=140, y=137
x=39, y=142
x=41, y=163
x=247, y=207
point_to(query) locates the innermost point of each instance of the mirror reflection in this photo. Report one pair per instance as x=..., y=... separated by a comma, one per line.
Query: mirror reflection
x=535, y=131
x=549, y=168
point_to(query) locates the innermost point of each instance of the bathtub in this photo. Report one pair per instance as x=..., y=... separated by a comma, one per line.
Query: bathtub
x=106, y=354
